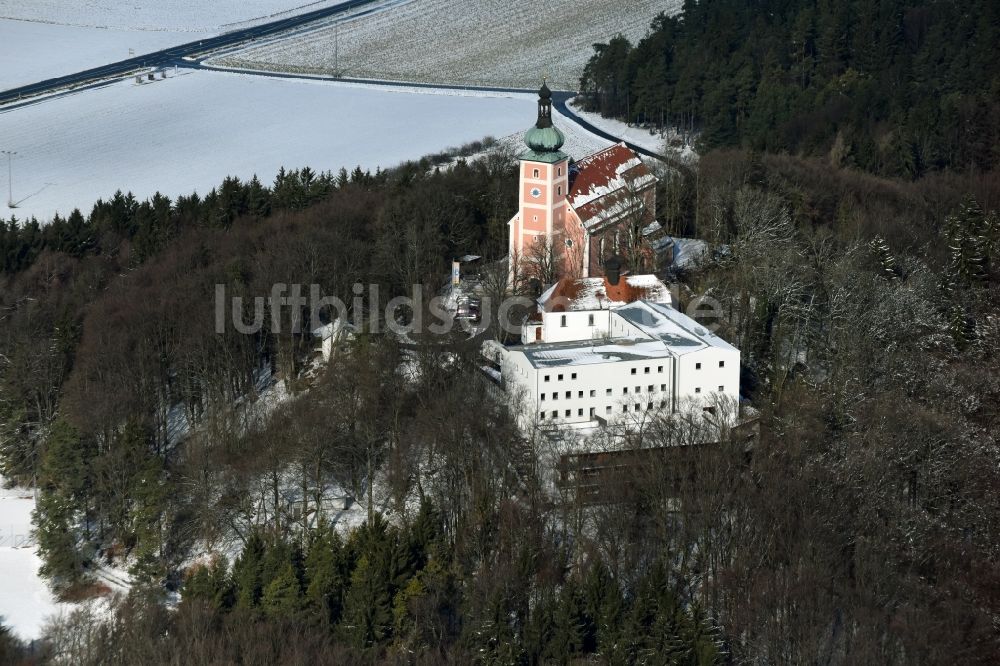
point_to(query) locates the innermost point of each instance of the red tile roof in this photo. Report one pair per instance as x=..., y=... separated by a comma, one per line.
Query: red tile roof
x=597, y=292
x=598, y=181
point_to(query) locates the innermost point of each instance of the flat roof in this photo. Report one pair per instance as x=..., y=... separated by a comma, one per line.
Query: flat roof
x=577, y=352
x=678, y=332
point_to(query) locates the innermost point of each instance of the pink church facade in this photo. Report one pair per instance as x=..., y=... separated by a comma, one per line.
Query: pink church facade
x=575, y=214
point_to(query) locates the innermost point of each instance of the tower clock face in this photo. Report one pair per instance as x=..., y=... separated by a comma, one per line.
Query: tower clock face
x=535, y=192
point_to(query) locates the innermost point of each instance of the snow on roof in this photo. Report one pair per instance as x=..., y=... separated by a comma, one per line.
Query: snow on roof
x=558, y=354
x=663, y=332
x=604, y=181
x=597, y=293
x=678, y=332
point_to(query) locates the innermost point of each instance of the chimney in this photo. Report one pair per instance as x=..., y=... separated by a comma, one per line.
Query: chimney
x=613, y=269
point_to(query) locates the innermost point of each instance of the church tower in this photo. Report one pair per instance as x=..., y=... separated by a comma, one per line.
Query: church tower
x=543, y=185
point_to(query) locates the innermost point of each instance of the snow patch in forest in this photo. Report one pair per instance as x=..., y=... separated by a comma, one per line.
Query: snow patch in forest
x=670, y=142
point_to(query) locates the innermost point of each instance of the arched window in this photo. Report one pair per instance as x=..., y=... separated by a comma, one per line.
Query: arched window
x=535, y=173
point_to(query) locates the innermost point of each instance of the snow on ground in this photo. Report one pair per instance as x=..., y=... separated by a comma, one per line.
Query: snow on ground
x=42, y=39
x=187, y=133
x=25, y=599
x=34, y=51
x=157, y=15
x=475, y=42
x=654, y=141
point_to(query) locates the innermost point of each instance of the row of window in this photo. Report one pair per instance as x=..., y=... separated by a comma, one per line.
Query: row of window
x=647, y=370
x=562, y=318
x=554, y=414
x=559, y=378
x=536, y=173
x=638, y=389
x=593, y=394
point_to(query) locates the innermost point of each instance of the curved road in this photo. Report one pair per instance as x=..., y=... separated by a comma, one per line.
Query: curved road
x=185, y=55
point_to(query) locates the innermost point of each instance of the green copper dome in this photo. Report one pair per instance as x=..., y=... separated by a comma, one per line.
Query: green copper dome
x=544, y=140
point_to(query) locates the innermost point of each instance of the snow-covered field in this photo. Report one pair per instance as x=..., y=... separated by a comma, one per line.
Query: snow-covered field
x=187, y=133
x=33, y=51
x=487, y=42
x=156, y=15
x=41, y=39
x=25, y=600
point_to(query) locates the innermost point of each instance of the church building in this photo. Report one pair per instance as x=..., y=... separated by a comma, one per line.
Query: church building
x=576, y=214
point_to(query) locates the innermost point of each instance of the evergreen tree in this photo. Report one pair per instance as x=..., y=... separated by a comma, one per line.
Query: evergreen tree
x=247, y=574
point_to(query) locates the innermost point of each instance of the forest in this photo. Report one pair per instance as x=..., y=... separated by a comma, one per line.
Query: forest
x=894, y=87
x=860, y=525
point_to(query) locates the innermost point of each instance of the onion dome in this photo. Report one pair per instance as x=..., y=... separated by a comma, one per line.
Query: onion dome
x=544, y=137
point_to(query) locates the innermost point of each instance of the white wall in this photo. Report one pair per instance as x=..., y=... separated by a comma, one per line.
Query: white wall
x=700, y=376
x=588, y=392
x=577, y=326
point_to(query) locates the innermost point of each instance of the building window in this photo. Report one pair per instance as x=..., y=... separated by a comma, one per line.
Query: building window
x=562, y=321
x=535, y=217
x=697, y=366
x=569, y=394
x=546, y=378
x=624, y=390
x=593, y=412
x=543, y=396
x=638, y=407
x=633, y=370
x=555, y=414
x=555, y=396
x=663, y=403
x=722, y=364
x=698, y=390
x=607, y=392
x=535, y=173
x=560, y=377
x=650, y=388
x=579, y=394
x=573, y=376
x=579, y=412
x=593, y=394
x=710, y=410
x=649, y=407
x=568, y=412
x=624, y=409
x=559, y=171
x=659, y=368
x=646, y=370
x=541, y=416
x=663, y=387
x=638, y=389
x=722, y=389
x=590, y=320
x=607, y=410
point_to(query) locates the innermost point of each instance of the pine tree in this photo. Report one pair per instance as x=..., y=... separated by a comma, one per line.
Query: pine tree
x=247, y=572
x=368, y=616
x=283, y=595
x=883, y=255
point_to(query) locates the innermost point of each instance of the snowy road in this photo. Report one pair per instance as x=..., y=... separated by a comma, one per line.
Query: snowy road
x=172, y=54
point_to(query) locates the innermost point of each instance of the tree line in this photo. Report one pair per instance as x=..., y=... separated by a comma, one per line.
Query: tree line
x=898, y=88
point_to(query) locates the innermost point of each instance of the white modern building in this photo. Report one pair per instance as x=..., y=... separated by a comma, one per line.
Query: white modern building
x=613, y=352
